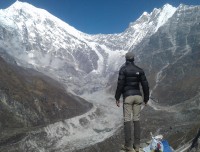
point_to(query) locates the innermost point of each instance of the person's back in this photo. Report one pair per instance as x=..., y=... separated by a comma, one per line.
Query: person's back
x=130, y=78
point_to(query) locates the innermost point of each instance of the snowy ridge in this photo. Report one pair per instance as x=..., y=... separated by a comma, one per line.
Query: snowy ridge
x=167, y=12
x=147, y=24
x=42, y=14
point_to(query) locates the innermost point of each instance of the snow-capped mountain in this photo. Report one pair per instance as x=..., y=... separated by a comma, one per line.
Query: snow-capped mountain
x=166, y=44
x=146, y=25
x=40, y=40
x=171, y=56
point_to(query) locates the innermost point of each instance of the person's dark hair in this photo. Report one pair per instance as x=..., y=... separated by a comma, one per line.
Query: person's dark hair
x=129, y=56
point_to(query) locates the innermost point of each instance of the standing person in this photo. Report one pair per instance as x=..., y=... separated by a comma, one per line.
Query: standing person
x=130, y=77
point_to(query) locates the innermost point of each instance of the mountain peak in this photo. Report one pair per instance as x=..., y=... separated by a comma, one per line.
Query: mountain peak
x=165, y=13
x=17, y=2
x=167, y=6
x=18, y=5
x=145, y=13
x=30, y=13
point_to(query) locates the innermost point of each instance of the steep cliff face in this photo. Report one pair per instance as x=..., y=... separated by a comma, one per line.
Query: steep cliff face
x=171, y=57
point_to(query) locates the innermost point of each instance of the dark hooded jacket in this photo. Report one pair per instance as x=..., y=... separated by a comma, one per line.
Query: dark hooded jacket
x=130, y=77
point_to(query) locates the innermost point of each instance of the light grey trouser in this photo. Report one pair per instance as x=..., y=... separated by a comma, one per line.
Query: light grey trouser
x=132, y=108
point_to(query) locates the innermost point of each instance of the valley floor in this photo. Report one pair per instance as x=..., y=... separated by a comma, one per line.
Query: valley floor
x=101, y=129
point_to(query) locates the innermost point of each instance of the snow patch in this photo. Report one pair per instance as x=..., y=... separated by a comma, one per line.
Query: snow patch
x=165, y=14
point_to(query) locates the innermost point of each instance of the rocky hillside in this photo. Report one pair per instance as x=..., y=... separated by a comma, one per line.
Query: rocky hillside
x=171, y=57
x=30, y=99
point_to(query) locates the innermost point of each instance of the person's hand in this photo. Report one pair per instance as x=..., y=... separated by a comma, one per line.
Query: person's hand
x=118, y=103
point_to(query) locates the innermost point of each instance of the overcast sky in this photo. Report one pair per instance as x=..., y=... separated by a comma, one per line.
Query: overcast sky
x=99, y=16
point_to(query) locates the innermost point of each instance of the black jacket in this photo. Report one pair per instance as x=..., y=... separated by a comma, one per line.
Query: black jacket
x=130, y=76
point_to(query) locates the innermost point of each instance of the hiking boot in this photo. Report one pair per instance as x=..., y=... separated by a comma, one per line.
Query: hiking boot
x=128, y=133
x=136, y=135
x=127, y=149
x=136, y=149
